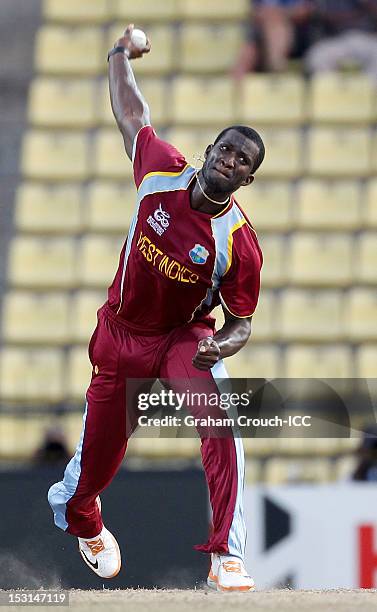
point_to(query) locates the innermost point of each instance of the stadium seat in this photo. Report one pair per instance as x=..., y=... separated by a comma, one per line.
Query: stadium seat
x=272, y=99
x=323, y=204
x=21, y=436
x=62, y=50
x=98, y=260
x=339, y=152
x=35, y=318
x=366, y=361
x=196, y=101
x=110, y=206
x=55, y=156
x=68, y=103
x=361, y=314
x=155, y=92
x=263, y=325
x=305, y=446
x=83, y=314
x=253, y=466
x=255, y=361
x=71, y=11
x=72, y=423
x=109, y=156
x=209, y=48
x=370, y=210
x=334, y=361
x=267, y=204
x=162, y=60
x=320, y=259
x=31, y=374
x=279, y=470
x=367, y=258
x=310, y=315
x=163, y=447
x=78, y=373
x=192, y=143
x=49, y=208
x=341, y=98
x=145, y=11
x=284, y=157
x=274, y=267
x=214, y=11
x=42, y=262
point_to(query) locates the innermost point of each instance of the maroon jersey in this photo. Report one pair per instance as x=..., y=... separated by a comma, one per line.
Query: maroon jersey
x=178, y=263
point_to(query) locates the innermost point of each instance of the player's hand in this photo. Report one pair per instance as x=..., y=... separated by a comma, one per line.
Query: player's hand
x=125, y=41
x=207, y=355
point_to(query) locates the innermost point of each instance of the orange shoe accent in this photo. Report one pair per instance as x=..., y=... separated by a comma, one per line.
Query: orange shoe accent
x=212, y=576
x=232, y=566
x=240, y=589
x=96, y=546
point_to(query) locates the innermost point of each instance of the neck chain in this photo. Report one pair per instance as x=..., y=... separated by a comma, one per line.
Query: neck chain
x=208, y=198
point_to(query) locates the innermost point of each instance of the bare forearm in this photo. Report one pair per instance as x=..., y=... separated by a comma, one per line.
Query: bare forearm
x=232, y=336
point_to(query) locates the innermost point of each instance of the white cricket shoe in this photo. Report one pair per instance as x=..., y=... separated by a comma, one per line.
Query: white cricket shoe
x=228, y=574
x=101, y=554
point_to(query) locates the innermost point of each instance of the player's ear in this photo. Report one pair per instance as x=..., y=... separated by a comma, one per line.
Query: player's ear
x=208, y=149
x=248, y=180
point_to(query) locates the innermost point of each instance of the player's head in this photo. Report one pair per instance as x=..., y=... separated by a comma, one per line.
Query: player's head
x=232, y=159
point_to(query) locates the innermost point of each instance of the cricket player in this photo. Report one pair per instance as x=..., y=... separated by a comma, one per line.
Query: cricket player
x=189, y=248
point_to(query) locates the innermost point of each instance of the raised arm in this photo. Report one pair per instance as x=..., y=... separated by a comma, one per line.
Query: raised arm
x=129, y=107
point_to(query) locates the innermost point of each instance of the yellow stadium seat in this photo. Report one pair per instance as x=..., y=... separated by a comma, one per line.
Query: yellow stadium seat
x=325, y=204
x=340, y=98
x=320, y=259
x=72, y=423
x=31, y=374
x=55, y=156
x=42, y=262
x=253, y=466
x=146, y=10
x=62, y=103
x=274, y=267
x=255, y=361
x=78, y=373
x=366, y=361
x=22, y=435
x=35, y=318
x=46, y=208
x=263, y=324
x=370, y=211
x=99, y=259
x=334, y=361
x=310, y=315
x=267, y=204
x=83, y=314
x=192, y=143
x=196, y=101
x=214, y=11
x=63, y=50
x=339, y=152
x=283, y=153
x=70, y=11
x=367, y=258
x=155, y=92
x=209, y=48
x=276, y=99
x=280, y=470
x=162, y=59
x=361, y=314
x=306, y=446
x=109, y=156
x=110, y=207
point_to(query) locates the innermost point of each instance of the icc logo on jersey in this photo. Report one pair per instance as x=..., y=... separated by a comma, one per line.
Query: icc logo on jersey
x=198, y=254
x=160, y=220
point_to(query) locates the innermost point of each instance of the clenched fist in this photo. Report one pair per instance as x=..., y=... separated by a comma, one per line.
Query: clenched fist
x=125, y=41
x=207, y=355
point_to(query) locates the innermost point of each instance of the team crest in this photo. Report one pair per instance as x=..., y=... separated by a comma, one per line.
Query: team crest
x=199, y=254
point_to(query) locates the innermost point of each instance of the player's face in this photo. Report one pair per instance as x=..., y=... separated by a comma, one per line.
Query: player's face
x=229, y=163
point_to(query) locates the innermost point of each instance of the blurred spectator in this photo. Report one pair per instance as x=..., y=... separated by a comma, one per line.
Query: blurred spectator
x=54, y=448
x=347, y=33
x=367, y=467
x=278, y=30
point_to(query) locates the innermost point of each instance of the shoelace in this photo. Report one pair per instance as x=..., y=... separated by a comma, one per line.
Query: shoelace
x=96, y=546
x=232, y=566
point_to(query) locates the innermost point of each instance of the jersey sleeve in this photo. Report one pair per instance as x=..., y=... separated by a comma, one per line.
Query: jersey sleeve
x=151, y=154
x=240, y=285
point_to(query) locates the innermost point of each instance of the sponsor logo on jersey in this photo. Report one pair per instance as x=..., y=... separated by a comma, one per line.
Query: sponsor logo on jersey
x=165, y=264
x=198, y=254
x=159, y=222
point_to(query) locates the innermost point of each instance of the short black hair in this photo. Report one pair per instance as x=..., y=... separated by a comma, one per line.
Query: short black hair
x=252, y=135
